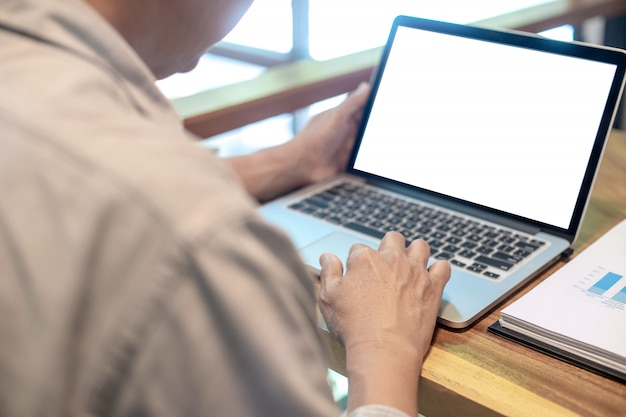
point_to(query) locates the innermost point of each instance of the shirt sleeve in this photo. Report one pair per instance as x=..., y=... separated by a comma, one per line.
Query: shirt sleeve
x=238, y=335
x=377, y=411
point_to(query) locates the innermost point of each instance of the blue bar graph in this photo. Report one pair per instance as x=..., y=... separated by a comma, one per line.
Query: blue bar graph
x=605, y=283
x=621, y=296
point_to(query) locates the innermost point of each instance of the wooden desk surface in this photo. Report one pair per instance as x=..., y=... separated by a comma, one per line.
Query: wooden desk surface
x=476, y=373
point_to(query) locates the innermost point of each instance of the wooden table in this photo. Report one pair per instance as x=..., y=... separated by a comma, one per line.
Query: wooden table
x=476, y=373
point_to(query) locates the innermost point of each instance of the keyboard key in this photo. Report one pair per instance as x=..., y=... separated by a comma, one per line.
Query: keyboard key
x=451, y=248
x=476, y=268
x=526, y=246
x=317, y=202
x=435, y=243
x=469, y=245
x=507, y=257
x=365, y=230
x=484, y=250
x=497, y=263
x=467, y=254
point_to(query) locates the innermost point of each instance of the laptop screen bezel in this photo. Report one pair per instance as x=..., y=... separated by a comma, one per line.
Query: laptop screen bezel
x=524, y=40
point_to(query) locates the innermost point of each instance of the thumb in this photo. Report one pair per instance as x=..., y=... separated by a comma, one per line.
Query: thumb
x=356, y=99
x=332, y=269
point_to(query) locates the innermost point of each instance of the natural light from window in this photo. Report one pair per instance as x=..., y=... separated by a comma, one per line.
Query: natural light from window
x=348, y=26
x=266, y=25
x=340, y=27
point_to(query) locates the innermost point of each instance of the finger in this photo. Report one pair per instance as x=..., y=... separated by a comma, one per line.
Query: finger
x=392, y=241
x=355, y=253
x=440, y=272
x=357, y=247
x=419, y=250
x=356, y=99
x=332, y=269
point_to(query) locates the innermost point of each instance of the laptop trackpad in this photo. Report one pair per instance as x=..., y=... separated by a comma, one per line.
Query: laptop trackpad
x=338, y=243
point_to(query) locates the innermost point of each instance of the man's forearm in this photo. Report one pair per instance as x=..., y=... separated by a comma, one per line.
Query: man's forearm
x=267, y=172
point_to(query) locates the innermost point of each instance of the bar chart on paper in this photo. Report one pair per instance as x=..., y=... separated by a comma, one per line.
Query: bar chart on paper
x=579, y=312
x=609, y=285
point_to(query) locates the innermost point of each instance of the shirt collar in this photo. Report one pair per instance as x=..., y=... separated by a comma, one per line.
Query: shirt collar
x=75, y=26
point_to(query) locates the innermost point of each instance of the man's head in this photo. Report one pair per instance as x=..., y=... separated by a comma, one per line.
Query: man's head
x=171, y=35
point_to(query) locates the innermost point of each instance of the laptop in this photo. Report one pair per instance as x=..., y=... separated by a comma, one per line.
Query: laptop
x=485, y=143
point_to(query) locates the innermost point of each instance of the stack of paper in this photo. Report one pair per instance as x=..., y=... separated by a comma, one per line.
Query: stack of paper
x=579, y=313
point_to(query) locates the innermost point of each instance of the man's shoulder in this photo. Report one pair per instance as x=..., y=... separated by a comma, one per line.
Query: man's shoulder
x=139, y=164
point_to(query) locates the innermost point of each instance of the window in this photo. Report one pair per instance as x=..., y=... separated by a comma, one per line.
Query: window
x=274, y=32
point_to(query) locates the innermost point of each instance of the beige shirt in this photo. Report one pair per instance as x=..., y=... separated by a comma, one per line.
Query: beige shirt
x=136, y=278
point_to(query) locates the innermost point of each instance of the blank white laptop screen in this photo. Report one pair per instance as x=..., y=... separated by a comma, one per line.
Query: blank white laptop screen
x=500, y=126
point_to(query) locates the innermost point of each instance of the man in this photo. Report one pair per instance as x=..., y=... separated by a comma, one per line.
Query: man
x=136, y=278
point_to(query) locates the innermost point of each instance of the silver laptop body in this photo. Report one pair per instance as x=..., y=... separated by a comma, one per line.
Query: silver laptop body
x=486, y=141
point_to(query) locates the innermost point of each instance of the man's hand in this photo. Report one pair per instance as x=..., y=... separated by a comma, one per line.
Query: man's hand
x=383, y=310
x=325, y=143
x=317, y=152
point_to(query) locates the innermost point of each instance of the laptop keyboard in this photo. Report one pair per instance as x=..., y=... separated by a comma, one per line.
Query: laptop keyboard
x=481, y=248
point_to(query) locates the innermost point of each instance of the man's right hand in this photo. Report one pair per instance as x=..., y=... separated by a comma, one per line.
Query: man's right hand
x=383, y=310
